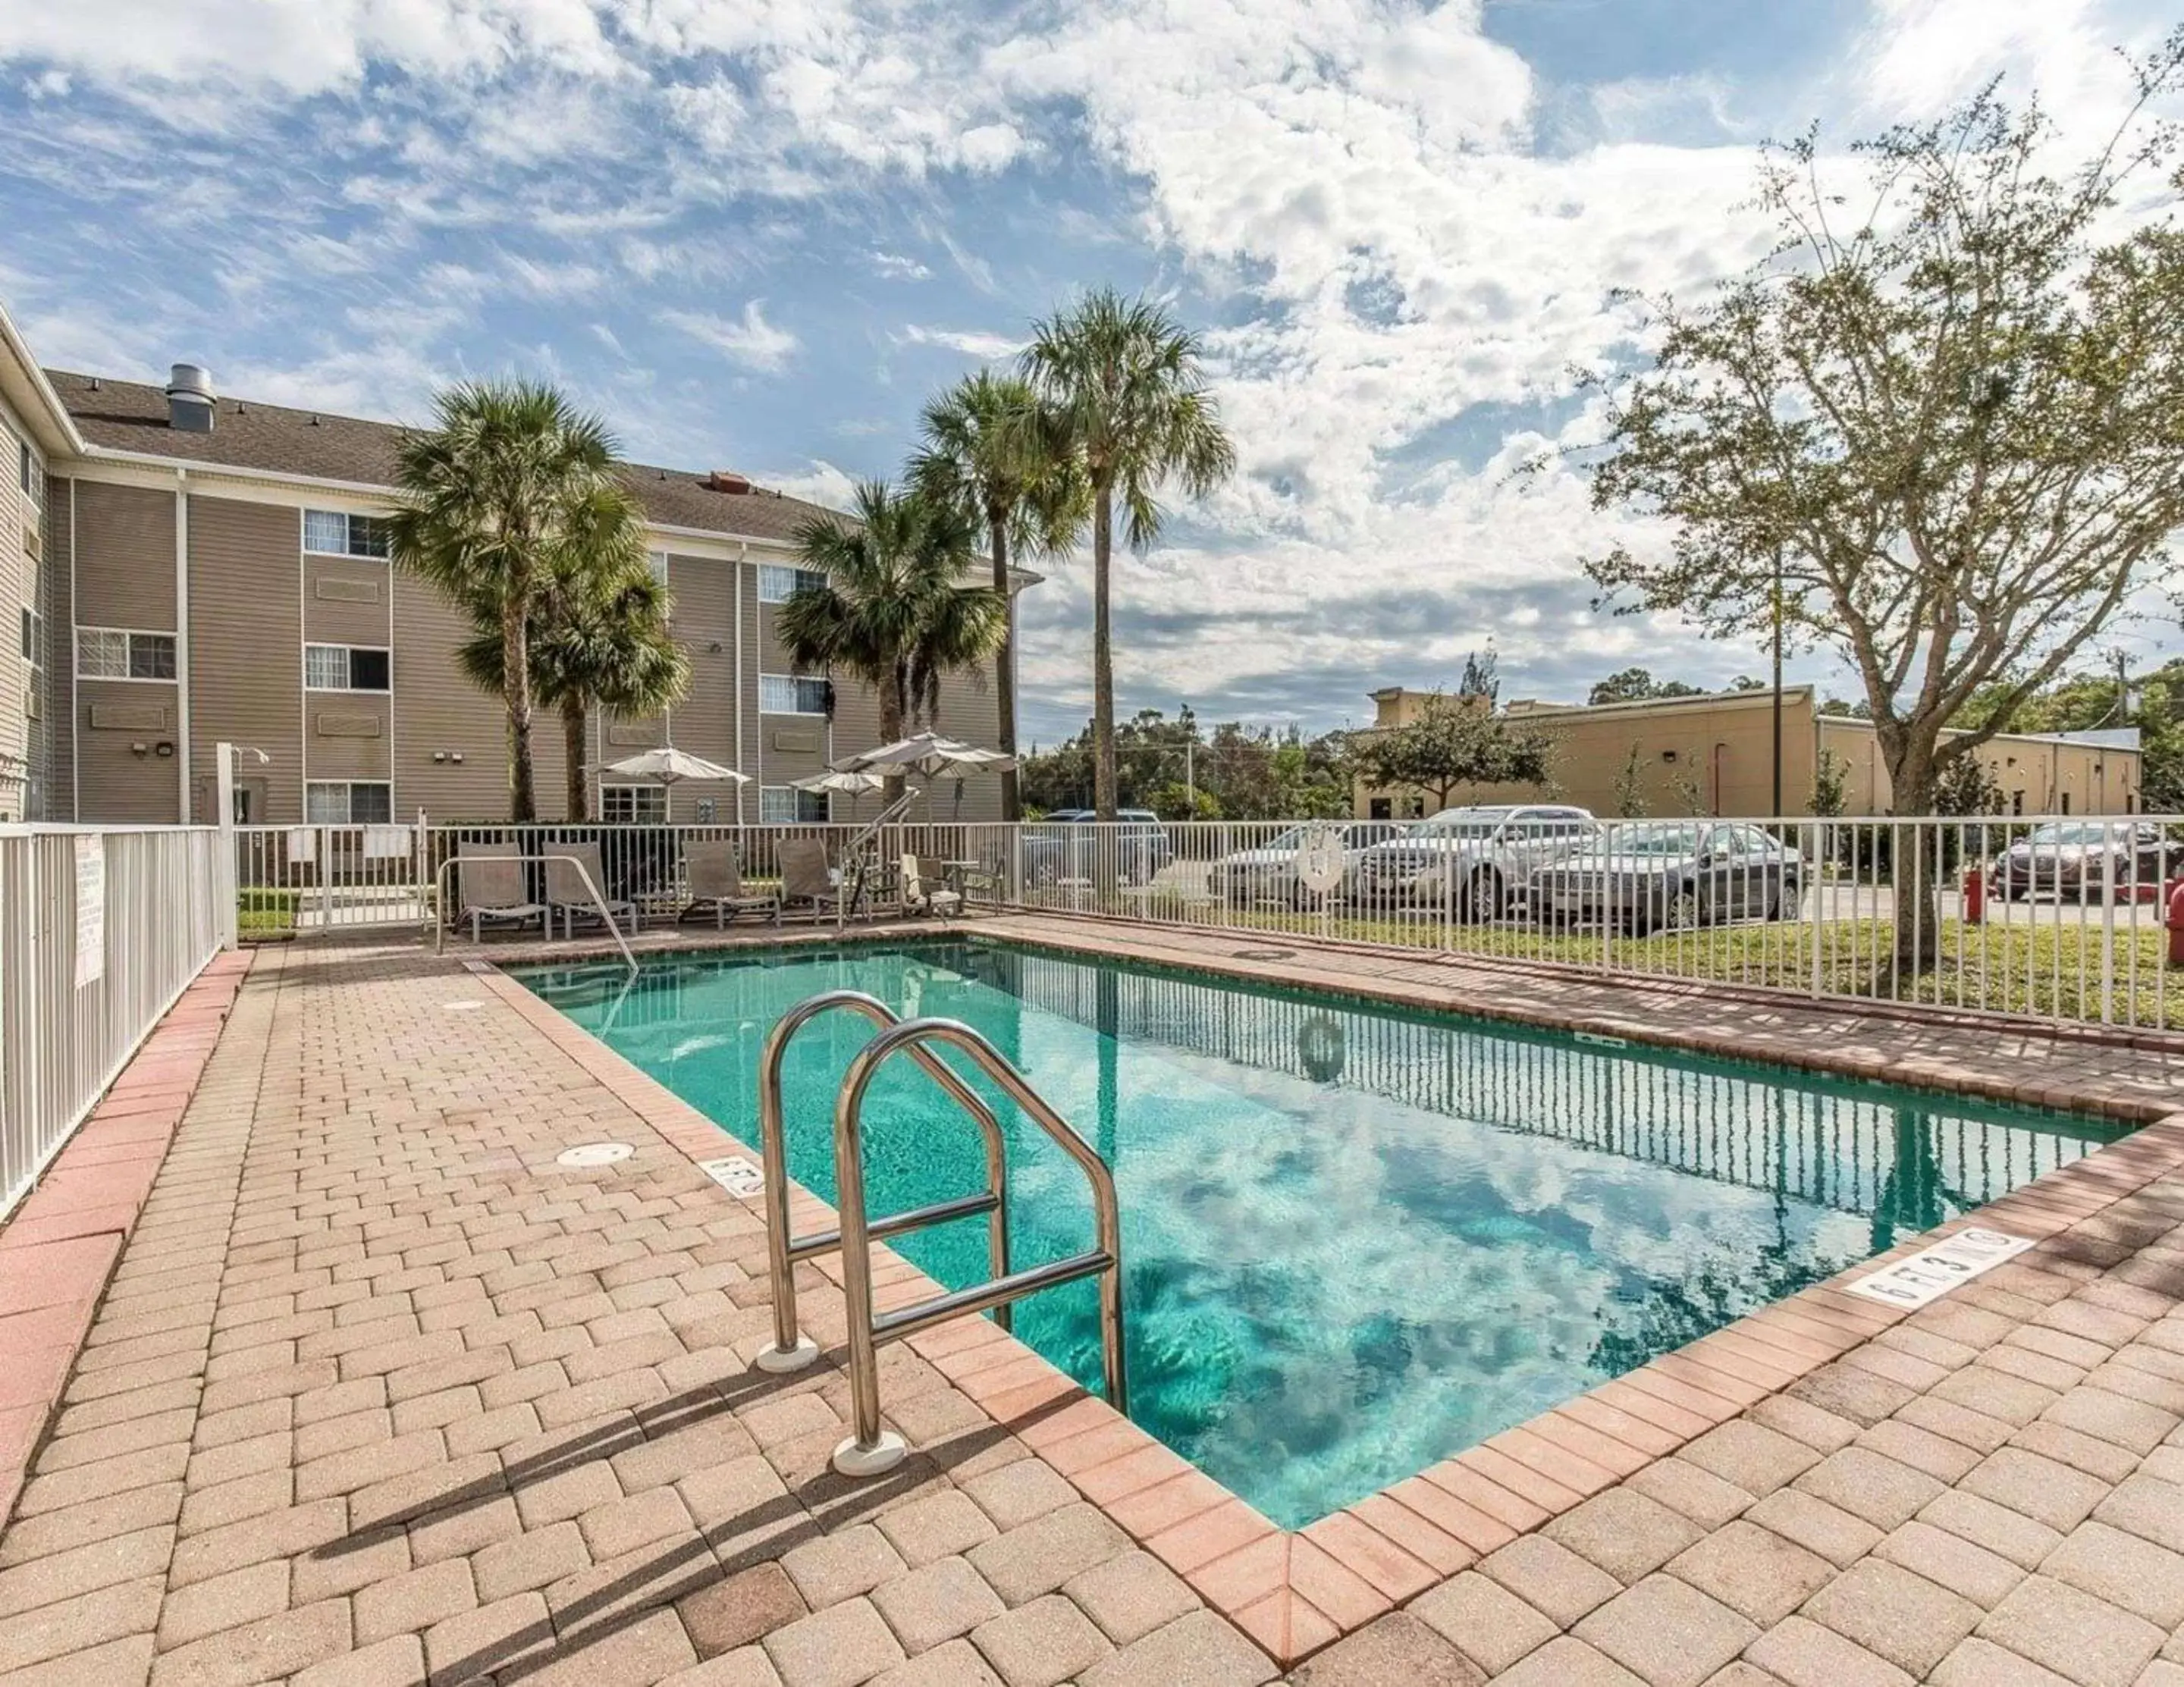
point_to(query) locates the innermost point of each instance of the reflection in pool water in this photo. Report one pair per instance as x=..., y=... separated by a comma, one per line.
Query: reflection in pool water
x=1356, y=1239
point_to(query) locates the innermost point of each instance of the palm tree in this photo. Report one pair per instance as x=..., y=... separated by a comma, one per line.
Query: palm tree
x=990, y=450
x=892, y=609
x=596, y=638
x=512, y=481
x=1121, y=380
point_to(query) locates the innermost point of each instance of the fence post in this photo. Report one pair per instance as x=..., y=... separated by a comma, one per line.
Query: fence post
x=224, y=878
x=1819, y=868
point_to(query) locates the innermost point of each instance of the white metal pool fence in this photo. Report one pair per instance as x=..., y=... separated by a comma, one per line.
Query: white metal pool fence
x=2059, y=917
x=2056, y=917
x=101, y=928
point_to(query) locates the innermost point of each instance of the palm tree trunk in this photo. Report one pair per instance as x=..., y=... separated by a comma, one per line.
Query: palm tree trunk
x=515, y=684
x=575, y=722
x=893, y=707
x=1004, y=676
x=1103, y=654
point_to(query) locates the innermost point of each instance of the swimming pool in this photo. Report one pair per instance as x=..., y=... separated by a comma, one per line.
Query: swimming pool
x=1356, y=1239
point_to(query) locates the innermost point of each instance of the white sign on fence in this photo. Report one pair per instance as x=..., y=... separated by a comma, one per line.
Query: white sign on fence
x=1934, y=1272
x=90, y=909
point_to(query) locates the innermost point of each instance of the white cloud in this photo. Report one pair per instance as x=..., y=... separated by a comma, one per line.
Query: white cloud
x=749, y=340
x=987, y=347
x=818, y=482
x=897, y=267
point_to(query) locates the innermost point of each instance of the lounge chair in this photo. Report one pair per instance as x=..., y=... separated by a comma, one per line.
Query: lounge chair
x=923, y=891
x=804, y=877
x=570, y=896
x=715, y=879
x=490, y=886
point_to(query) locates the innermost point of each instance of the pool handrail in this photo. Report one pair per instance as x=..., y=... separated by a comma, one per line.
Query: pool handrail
x=869, y=1450
x=791, y=1350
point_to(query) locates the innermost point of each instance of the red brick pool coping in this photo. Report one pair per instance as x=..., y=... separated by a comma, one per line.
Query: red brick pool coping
x=1294, y=1592
x=58, y=1247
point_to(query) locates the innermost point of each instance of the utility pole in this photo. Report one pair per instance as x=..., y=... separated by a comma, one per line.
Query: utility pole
x=1190, y=773
x=1777, y=682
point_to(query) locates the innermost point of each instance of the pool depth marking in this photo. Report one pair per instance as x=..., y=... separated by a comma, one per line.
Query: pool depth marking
x=1932, y=1273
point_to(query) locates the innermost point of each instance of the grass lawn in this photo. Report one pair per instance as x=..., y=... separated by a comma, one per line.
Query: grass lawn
x=264, y=913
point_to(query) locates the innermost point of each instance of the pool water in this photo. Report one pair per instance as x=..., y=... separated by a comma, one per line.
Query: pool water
x=1355, y=1239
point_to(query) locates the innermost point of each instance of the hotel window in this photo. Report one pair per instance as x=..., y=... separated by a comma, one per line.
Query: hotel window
x=346, y=667
x=336, y=532
x=792, y=694
x=777, y=584
x=784, y=805
x=109, y=654
x=348, y=803
x=34, y=638
x=634, y=804
x=657, y=562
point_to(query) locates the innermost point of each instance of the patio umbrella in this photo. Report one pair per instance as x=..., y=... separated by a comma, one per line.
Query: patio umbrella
x=928, y=754
x=851, y=784
x=665, y=766
x=848, y=782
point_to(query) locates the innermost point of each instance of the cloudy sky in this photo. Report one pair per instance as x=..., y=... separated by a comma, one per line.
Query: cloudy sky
x=757, y=234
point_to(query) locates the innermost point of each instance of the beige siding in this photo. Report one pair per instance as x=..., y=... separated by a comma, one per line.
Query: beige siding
x=345, y=600
x=350, y=736
x=705, y=723
x=246, y=636
x=747, y=658
x=60, y=651
x=120, y=724
x=971, y=712
x=125, y=557
x=439, y=713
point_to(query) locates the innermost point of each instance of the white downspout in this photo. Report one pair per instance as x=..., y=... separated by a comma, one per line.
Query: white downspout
x=182, y=637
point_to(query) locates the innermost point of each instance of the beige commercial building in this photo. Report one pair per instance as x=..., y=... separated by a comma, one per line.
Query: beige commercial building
x=188, y=569
x=1714, y=754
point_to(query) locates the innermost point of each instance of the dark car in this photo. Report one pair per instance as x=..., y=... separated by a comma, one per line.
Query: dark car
x=2084, y=859
x=1067, y=844
x=1654, y=875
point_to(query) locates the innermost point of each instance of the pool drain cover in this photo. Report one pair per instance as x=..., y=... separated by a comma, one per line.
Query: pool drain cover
x=594, y=1154
x=1261, y=954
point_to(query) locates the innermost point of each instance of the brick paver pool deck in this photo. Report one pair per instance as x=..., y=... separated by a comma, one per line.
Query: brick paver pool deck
x=379, y=1393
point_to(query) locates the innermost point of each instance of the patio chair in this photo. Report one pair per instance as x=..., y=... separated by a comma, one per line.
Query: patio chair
x=922, y=890
x=490, y=886
x=567, y=895
x=715, y=878
x=804, y=877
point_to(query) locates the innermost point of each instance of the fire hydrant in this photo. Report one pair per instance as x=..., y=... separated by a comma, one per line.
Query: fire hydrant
x=1974, y=896
x=2176, y=922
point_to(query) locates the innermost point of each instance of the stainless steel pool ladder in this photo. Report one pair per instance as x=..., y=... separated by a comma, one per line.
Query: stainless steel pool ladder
x=870, y=1448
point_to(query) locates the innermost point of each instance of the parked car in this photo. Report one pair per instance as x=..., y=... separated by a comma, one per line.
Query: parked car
x=1062, y=845
x=1651, y=875
x=1473, y=861
x=2082, y=858
x=1267, y=871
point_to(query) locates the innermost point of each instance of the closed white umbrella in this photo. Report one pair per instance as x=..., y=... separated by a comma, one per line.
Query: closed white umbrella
x=665, y=766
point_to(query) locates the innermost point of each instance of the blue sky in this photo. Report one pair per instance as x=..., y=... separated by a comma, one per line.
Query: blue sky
x=758, y=234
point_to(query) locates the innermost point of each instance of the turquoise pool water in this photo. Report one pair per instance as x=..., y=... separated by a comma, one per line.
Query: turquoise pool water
x=1355, y=1240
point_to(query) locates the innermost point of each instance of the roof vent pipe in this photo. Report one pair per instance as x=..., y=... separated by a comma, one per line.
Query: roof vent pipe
x=189, y=398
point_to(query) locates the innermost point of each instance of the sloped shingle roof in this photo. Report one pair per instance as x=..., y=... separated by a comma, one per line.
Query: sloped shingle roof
x=130, y=415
